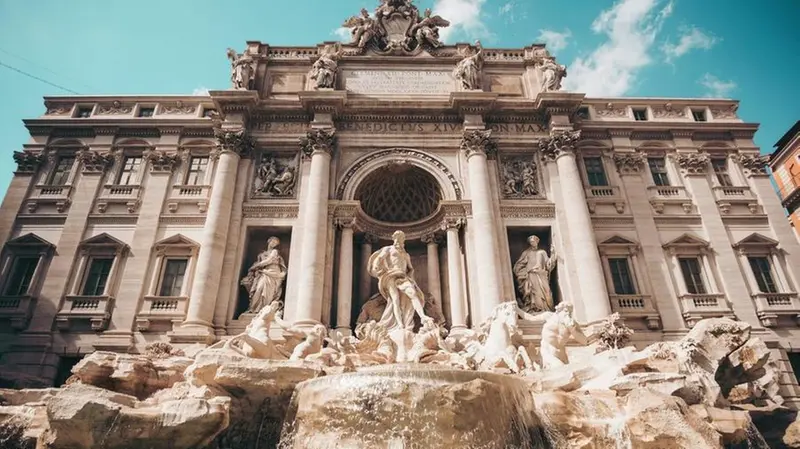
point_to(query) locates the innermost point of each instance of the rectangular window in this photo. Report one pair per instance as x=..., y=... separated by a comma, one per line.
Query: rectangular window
x=640, y=115
x=762, y=270
x=146, y=112
x=172, y=278
x=209, y=112
x=690, y=267
x=84, y=112
x=128, y=174
x=583, y=113
x=196, y=175
x=699, y=115
x=658, y=169
x=720, y=166
x=60, y=174
x=621, y=276
x=595, y=173
x=785, y=180
x=21, y=275
x=97, y=276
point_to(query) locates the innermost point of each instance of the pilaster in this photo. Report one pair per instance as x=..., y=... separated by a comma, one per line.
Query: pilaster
x=28, y=165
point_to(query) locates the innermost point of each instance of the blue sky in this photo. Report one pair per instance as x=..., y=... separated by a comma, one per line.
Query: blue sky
x=674, y=48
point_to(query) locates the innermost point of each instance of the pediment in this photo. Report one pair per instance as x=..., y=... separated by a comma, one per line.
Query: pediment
x=104, y=239
x=29, y=239
x=619, y=241
x=177, y=240
x=756, y=239
x=687, y=240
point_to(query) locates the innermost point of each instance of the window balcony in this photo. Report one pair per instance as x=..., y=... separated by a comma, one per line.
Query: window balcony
x=17, y=310
x=727, y=196
x=127, y=195
x=639, y=307
x=697, y=307
x=42, y=194
x=196, y=195
x=171, y=309
x=95, y=309
x=662, y=196
x=608, y=195
x=771, y=306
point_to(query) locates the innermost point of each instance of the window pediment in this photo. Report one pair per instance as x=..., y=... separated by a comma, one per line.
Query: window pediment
x=756, y=240
x=104, y=242
x=29, y=240
x=618, y=244
x=687, y=241
x=177, y=244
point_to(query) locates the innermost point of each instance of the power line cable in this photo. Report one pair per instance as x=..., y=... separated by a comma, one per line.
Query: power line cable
x=14, y=55
x=37, y=78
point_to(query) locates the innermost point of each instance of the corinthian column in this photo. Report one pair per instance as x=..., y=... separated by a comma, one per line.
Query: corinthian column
x=455, y=276
x=306, y=309
x=434, y=282
x=476, y=144
x=232, y=144
x=344, y=298
x=560, y=147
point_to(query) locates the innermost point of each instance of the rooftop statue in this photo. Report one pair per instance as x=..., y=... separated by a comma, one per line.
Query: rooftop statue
x=242, y=69
x=363, y=29
x=552, y=74
x=324, y=69
x=427, y=29
x=468, y=71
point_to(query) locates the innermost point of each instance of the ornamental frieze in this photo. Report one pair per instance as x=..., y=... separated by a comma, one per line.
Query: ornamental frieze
x=693, y=163
x=629, y=163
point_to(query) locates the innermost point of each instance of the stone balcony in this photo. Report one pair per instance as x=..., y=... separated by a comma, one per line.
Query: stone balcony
x=636, y=307
x=128, y=196
x=604, y=196
x=697, y=307
x=733, y=197
x=169, y=309
x=94, y=309
x=771, y=306
x=17, y=310
x=667, y=199
x=187, y=199
x=56, y=197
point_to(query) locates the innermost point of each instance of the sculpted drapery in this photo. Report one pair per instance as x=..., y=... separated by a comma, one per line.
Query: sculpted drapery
x=532, y=271
x=264, y=280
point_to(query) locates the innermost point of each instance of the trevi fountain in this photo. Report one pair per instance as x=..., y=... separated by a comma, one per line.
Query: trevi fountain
x=404, y=378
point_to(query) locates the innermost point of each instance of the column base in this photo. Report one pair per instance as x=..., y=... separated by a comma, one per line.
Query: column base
x=305, y=325
x=114, y=342
x=193, y=332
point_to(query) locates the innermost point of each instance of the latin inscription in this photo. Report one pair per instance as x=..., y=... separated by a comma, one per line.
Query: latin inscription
x=401, y=128
x=419, y=82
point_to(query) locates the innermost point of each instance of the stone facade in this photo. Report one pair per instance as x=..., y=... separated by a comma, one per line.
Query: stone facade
x=132, y=219
x=785, y=166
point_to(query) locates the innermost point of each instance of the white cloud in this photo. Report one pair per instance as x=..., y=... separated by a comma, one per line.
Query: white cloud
x=631, y=27
x=343, y=34
x=717, y=88
x=692, y=38
x=506, y=8
x=555, y=40
x=465, y=16
x=200, y=91
x=510, y=12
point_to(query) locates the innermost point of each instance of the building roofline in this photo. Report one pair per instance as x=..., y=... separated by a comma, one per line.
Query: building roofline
x=782, y=145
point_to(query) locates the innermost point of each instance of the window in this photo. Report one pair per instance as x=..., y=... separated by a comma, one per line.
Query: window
x=583, y=113
x=784, y=178
x=21, y=275
x=595, y=173
x=129, y=171
x=699, y=115
x=209, y=112
x=172, y=278
x=84, y=112
x=97, y=276
x=640, y=115
x=720, y=166
x=658, y=169
x=196, y=175
x=621, y=276
x=690, y=267
x=60, y=174
x=146, y=112
x=762, y=270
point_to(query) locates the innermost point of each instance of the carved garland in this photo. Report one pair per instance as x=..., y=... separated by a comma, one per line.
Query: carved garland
x=629, y=163
x=693, y=163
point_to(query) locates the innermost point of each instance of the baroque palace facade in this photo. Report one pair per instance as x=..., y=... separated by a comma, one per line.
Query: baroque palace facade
x=134, y=219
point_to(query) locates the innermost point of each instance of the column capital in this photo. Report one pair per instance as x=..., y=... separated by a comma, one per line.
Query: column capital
x=28, y=162
x=558, y=144
x=345, y=222
x=478, y=141
x=233, y=140
x=432, y=239
x=161, y=161
x=753, y=164
x=452, y=223
x=629, y=163
x=95, y=162
x=693, y=163
x=318, y=140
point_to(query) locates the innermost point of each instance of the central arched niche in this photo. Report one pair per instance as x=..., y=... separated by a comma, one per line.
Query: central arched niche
x=399, y=193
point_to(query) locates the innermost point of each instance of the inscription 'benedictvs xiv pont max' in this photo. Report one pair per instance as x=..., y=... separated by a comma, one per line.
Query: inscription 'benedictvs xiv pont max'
x=254, y=212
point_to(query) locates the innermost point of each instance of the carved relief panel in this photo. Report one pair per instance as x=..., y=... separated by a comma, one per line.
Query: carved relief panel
x=519, y=177
x=274, y=175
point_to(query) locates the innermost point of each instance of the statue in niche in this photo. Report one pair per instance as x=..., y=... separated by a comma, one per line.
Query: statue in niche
x=264, y=279
x=324, y=69
x=519, y=179
x=273, y=180
x=468, y=70
x=552, y=74
x=391, y=265
x=532, y=271
x=242, y=69
x=363, y=29
x=427, y=29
